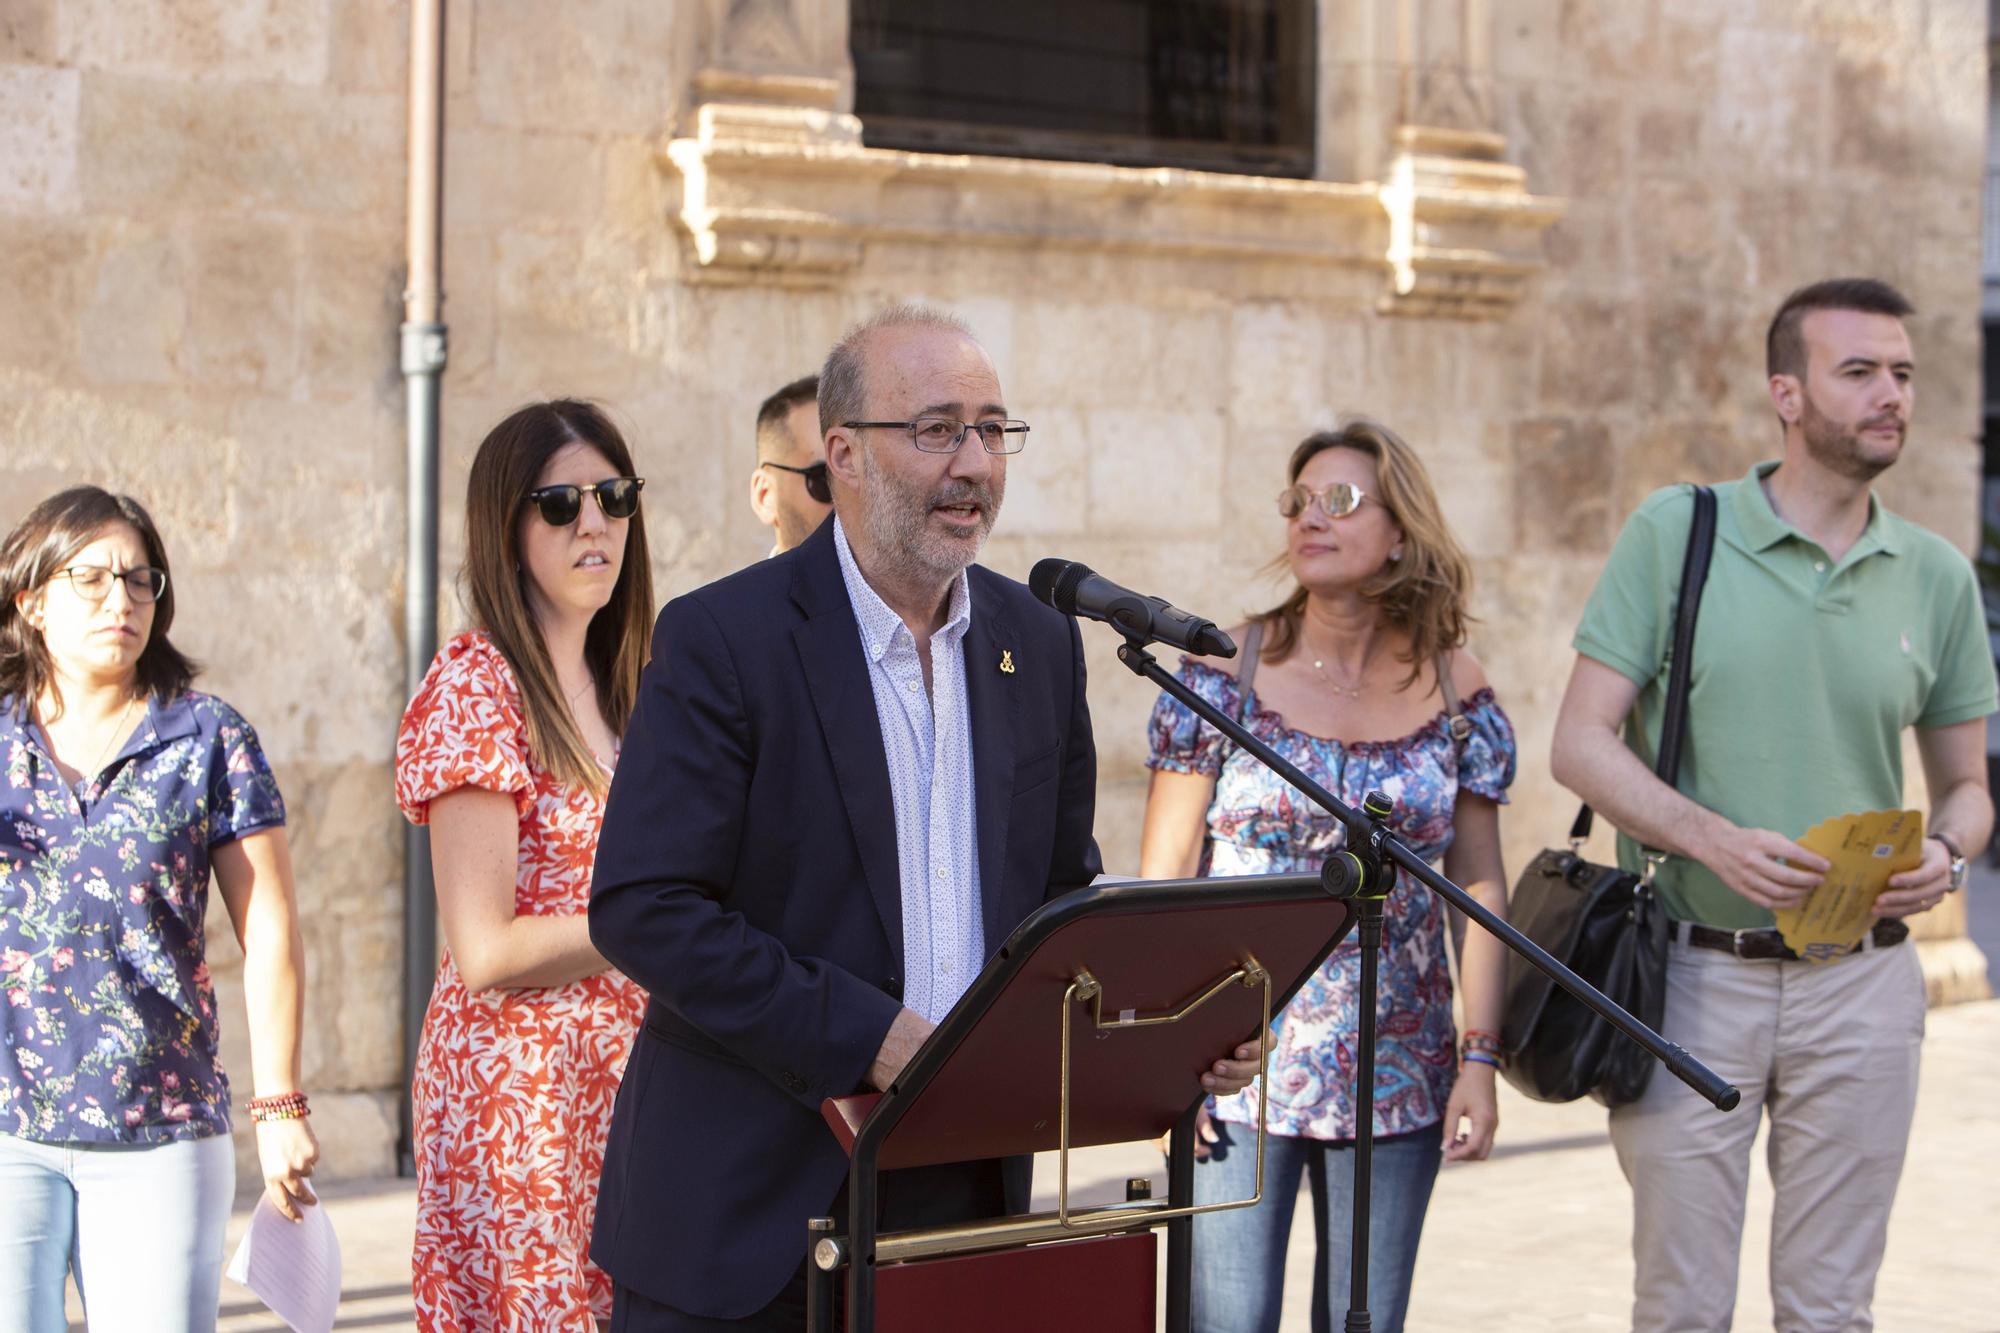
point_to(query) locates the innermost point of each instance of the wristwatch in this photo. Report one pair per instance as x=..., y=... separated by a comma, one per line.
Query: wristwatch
x=1959, y=867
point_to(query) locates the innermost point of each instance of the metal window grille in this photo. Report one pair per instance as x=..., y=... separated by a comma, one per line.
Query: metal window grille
x=1222, y=85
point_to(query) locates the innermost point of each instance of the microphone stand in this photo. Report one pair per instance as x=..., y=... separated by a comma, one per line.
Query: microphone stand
x=1364, y=872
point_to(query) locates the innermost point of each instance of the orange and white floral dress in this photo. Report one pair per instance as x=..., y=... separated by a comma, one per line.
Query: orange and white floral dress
x=513, y=1087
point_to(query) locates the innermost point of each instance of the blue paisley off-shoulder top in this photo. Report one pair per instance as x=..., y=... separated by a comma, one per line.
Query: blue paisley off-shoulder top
x=1257, y=824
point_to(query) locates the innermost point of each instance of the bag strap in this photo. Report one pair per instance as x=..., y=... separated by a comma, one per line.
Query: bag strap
x=1694, y=574
x=1461, y=725
x=1246, y=669
x=1246, y=672
x=1673, y=726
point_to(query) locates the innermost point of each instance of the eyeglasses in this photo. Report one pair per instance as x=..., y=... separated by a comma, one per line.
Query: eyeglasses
x=817, y=485
x=943, y=435
x=93, y=582
x=1337, y=500
x=618, y=497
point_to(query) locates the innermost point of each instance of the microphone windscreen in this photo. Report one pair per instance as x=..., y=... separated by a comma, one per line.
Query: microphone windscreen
x=1046, y=579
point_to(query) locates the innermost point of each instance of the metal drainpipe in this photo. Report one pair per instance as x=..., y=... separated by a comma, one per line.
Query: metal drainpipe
x=423, y=358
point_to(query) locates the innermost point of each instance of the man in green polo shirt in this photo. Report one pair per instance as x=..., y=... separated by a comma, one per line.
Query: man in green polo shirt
x=1828, y=627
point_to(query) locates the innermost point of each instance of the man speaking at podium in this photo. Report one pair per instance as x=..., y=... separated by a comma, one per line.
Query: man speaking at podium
x=852, y=771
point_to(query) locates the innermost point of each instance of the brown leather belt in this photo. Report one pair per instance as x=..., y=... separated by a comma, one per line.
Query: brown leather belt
x=1765, y=943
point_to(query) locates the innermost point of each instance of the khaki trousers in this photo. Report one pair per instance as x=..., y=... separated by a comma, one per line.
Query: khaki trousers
x=1829, y=1052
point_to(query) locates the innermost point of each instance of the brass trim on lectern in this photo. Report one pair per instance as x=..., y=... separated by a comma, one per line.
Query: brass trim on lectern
x=1002, y=1233
x=1086, y=987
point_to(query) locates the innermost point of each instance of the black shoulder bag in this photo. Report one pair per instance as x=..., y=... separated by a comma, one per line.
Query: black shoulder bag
x=1607, y=924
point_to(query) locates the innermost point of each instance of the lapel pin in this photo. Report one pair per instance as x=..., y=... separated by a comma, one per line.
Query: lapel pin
x=1007, y=661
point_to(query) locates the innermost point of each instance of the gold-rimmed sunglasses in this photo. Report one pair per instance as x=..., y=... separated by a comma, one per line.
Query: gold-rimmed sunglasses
x=560, y=506
x=1336, y=500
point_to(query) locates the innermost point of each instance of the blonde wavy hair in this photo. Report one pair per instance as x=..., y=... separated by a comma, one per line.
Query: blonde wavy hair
x=1425, y=593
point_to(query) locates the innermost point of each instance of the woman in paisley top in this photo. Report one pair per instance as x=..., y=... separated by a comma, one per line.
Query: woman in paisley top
x=506, y=752
x=124, y=789
x=1352, y=687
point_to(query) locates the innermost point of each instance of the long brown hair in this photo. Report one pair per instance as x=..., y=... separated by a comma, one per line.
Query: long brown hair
x=508, y=465
x=44, y=543
x=1423, y=594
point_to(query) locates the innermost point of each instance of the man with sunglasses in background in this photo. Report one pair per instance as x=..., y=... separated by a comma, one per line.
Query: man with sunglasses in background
x=789, y=491
x=852, y=771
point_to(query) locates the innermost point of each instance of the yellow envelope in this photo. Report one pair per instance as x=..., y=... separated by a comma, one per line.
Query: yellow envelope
x=1865, y=850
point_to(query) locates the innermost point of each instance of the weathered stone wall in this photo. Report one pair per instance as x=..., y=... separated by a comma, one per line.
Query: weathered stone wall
x=201, y=257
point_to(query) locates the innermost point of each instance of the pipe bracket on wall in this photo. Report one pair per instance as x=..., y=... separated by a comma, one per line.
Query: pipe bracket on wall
x=424, y=349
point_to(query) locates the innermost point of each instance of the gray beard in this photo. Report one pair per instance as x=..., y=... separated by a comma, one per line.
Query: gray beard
x=900, y=526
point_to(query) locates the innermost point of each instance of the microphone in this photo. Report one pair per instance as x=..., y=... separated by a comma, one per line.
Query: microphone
x=1071, y=588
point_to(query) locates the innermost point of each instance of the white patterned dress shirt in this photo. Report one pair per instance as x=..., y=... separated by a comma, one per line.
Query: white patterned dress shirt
x=927, y=739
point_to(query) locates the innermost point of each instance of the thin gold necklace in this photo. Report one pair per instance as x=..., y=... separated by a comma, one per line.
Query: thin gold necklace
x=1361, y=682
x=103, y=750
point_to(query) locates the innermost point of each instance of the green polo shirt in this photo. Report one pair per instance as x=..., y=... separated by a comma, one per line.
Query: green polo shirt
x=1806, y=670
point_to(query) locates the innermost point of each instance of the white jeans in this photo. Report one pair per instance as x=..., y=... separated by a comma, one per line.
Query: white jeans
x=141, y=1226
x=1829, y=1052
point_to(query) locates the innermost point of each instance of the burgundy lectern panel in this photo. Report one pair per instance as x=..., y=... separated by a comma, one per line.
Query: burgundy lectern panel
x=998, y=1094
x=1104, y=1285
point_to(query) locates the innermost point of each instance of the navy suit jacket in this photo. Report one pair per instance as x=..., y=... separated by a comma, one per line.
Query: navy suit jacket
x=747, y=876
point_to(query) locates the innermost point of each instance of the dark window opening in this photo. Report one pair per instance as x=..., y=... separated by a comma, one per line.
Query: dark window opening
x=1215, y=85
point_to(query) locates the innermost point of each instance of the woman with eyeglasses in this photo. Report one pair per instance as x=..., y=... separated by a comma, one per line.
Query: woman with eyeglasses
x=1361, y=678
x=125, y=790
x=506, y=753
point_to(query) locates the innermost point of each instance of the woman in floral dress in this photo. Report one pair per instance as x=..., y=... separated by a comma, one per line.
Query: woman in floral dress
x=506, y=752
x=1362, y=680
x=124, y=789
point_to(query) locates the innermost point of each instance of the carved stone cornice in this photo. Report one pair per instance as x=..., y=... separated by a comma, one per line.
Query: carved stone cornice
x=1464, y=233
x=777, y=186
x=790, y=194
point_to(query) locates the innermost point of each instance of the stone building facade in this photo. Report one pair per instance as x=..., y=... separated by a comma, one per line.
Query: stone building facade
x=1541, y=238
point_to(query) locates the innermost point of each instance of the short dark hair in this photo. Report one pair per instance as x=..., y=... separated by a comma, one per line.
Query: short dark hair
x=1785, y=345
x=771, y=414
x=42, y=544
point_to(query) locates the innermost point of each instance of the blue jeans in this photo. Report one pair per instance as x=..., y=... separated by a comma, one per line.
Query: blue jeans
x=140, y=1225
x=1239, y=1255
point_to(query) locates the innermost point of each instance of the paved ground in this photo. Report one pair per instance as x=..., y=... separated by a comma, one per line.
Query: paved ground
x=1534, y=1239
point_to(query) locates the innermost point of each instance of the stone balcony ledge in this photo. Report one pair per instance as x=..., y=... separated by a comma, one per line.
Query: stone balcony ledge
x=789, y=194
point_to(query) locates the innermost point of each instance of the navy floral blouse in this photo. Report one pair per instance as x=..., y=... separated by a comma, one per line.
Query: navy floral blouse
x=108, y=1031
x=1258, y=825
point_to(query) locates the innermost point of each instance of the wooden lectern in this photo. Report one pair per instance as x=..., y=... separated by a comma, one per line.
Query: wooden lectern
x=1091, y=1025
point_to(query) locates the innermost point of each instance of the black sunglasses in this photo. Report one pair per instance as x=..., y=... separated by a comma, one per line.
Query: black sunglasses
x=816, y=483
x=618, y=497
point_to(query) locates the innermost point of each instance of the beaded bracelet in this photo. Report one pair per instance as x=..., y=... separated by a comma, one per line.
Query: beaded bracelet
x=284, y=1106
x=1478, y=1058
x=1475, y=1040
